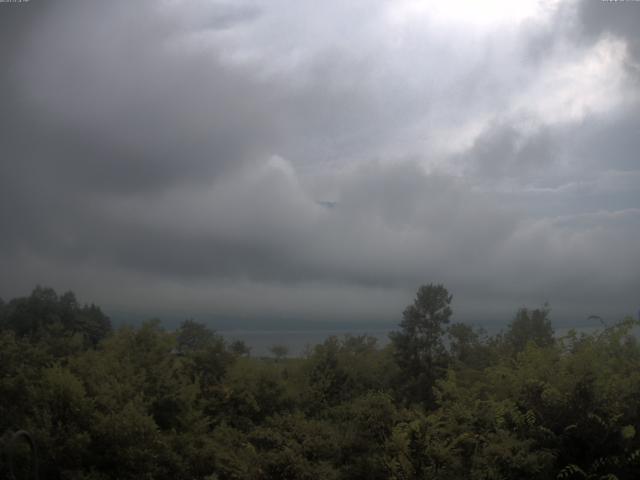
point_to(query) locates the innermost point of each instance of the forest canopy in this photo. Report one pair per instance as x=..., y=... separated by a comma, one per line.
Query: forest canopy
x=442, y=400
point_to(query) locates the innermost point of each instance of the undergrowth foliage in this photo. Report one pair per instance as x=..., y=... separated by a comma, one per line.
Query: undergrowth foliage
x=441, y=401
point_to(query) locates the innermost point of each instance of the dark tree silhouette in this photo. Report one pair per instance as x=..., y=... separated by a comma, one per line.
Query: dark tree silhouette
x=419, y=350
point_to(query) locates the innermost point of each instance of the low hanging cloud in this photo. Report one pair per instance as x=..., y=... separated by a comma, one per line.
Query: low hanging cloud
x=265, y=160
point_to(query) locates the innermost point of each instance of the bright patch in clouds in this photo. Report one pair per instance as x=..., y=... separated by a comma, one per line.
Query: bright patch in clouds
x=482, y=14
x=592, y=83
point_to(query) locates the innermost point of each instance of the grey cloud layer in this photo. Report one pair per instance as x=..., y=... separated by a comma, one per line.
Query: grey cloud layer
x=278, y=159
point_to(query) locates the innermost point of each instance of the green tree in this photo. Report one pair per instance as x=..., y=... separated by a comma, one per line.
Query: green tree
x=254, y=390
x=240, y=348
x=530, y=326
x=205, y=352
x=419, y=349
x=292, y=447
x=44, y=314
x=194, y=336
x=279, y=351
x=366, y=424
x=468, y=346
x=326, y=375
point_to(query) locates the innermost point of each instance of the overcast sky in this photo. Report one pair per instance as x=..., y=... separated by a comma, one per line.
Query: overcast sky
x=320, y=160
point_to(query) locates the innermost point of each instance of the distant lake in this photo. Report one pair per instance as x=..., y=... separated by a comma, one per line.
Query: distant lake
x=296, y=340
x=260, y=341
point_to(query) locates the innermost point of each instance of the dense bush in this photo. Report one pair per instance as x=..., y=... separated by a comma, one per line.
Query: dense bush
x=441, y=401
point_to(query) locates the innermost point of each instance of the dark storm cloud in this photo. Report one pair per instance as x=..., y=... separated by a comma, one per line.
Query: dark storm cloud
x=118, y=110
x=615, y=18
x=504, y=150
x=552, y=155
x=612, y=141
x=246, y=159
x=93, y=109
